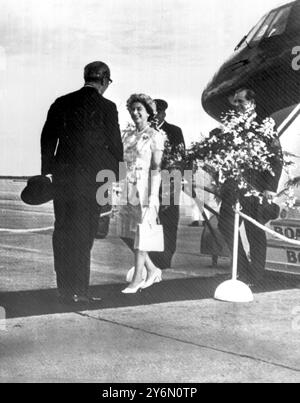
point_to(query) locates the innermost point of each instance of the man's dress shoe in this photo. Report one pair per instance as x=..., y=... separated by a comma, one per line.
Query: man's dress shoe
x=77, y=300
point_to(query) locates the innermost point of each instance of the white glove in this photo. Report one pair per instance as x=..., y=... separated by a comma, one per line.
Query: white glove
x=269, y=195
x=154, y=190
x=153, y=202
x=150, y=215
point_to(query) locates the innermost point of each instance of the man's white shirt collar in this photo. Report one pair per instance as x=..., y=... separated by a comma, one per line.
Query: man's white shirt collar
x=159, y=126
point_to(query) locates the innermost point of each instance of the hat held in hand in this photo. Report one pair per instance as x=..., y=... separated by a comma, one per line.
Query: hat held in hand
x=39, y=190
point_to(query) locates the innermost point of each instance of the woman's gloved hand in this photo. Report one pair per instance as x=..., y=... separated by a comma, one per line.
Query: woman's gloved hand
x=154, y=190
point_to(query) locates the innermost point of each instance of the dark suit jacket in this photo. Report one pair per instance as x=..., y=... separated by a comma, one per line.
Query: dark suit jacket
x=81, y=133
x=265, y=180
x=174, y=134
x=175, y=138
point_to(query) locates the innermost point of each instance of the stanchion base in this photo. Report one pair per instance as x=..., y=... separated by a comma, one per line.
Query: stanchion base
x=234, y=291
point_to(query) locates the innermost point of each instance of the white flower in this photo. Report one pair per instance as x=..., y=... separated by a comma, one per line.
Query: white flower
x=237, y=141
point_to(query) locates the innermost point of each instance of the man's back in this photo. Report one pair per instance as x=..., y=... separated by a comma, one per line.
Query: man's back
x=81, y=131
x=81, y=137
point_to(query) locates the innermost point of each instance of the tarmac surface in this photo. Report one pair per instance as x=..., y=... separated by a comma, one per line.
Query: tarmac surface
x=172, y=332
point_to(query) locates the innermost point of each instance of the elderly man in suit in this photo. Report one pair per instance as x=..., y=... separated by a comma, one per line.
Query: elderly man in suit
x=169, y=215
x=80, y=138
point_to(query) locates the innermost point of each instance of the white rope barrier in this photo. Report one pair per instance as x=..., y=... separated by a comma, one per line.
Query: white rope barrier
x=34, y=230
x=234, y=290
x=24, y=231
x=270, y=231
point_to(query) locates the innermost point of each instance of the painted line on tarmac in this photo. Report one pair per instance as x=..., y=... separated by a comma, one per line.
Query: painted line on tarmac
x=202, y=346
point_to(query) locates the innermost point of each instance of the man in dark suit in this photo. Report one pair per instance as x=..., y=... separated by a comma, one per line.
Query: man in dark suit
x=169, y=215
x=80, y=138
x=265, y=183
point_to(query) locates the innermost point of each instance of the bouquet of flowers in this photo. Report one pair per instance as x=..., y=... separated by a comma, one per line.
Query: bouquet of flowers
x=238, y=148
x=174, y=157
x=292, y=183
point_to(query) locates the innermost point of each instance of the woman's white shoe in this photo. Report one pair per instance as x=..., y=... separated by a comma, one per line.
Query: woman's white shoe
x=156, y=277
x=133, y=290
x=130, y=273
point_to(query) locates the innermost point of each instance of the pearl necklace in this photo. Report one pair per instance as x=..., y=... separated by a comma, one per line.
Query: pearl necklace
x=142, y=131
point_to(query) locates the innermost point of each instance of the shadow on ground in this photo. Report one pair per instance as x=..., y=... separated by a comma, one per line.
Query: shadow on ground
x=44, y=302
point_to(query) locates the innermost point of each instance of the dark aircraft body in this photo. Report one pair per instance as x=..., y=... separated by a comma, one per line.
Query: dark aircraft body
x=266, y=60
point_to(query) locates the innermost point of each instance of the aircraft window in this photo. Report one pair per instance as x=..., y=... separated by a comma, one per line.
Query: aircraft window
x=279, y=24
x=261, y=32
x=253, y=31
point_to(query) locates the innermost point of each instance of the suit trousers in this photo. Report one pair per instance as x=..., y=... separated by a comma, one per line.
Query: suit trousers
x=76, y=221
x=256, y=237
x=169, y=219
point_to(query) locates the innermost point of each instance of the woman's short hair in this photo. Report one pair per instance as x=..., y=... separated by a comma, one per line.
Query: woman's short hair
x=145, y=100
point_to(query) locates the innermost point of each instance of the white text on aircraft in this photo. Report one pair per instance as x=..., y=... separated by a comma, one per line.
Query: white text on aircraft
x=296, y=60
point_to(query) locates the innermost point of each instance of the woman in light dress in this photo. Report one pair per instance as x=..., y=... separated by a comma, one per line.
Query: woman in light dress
x=143, y=151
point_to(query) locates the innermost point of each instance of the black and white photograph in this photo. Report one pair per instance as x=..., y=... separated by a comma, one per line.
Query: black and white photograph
x=149, y=194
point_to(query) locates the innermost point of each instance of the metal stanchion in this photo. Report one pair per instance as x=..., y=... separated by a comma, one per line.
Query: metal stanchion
x=234, y=290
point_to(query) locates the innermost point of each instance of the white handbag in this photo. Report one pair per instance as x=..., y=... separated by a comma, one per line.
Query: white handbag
x=149, y=236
